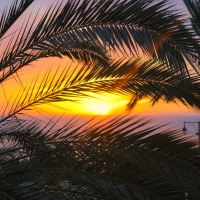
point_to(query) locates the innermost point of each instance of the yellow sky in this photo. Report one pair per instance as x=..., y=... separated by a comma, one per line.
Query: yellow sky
x=105, y=104
x=101, y=105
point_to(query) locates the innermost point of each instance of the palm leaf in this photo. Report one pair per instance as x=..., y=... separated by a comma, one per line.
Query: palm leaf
x=193, y=7
x=151, y=79
x=125, y=26
x=136, y=78
x=11, y=14
x=112, y=160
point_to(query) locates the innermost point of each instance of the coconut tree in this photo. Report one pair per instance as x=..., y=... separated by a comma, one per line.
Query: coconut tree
x=116, y=159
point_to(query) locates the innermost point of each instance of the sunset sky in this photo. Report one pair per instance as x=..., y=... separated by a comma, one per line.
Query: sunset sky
x=101, y=105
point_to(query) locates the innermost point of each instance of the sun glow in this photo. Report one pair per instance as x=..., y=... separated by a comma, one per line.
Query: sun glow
x=99, y=109
x=103, y=104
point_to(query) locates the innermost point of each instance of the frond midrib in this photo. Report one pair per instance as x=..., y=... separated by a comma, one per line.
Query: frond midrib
x=110, y=79
x=162, y=37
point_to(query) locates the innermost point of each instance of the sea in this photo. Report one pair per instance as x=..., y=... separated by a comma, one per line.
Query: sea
x=174, y=122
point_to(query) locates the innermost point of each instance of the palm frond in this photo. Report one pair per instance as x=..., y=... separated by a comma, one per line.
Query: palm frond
x=153, y=80
x=193, y=7
x=112, y=160
x=147, y=79
x=119, y=157
x=87, y=53
x=125, y=26
x=11, y=14
x=136, y=78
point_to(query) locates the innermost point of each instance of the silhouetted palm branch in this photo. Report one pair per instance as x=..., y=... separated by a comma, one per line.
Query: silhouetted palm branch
x=194, y=10
x=67, y=29
x=136, y=78
x=120, y=158
x=10, y=15
x=193, y=7
x=112, y=160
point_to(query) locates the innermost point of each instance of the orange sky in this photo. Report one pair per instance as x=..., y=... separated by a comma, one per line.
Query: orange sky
x=107, y=104
x=100, y=105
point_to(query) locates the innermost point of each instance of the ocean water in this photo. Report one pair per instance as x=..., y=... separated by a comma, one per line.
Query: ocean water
x=174, y=122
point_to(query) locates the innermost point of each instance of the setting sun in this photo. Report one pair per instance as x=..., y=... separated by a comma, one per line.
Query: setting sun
x=99, y=109
x=102, y=104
